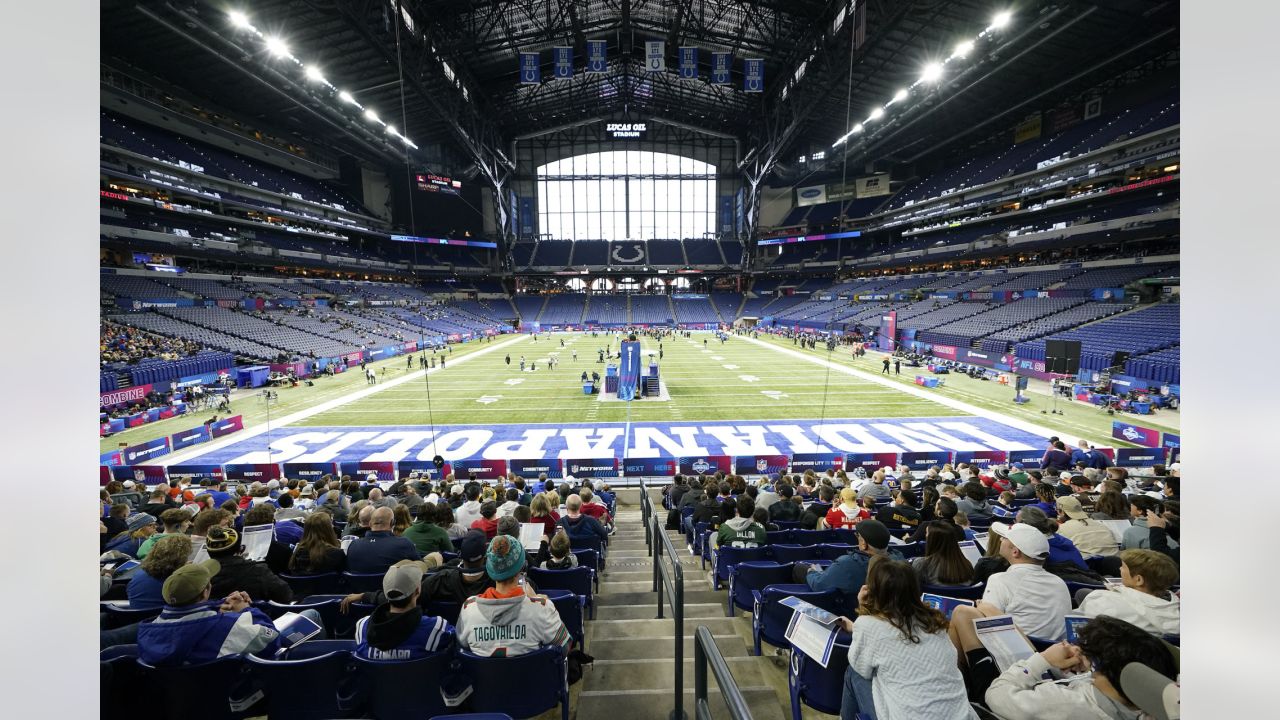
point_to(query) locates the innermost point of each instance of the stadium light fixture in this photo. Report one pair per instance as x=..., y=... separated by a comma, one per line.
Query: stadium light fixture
x=932, y=72
x=1001, y=19
x=345, y=97
x=900, y=95
x=876, y=114
x=239, y=19
x=277, y=47
x=963, y=49
x=372, y=116
x=314, y=74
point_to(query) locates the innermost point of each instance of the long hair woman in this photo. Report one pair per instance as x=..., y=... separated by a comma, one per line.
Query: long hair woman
x=319, y=550
x=168, y=554
x=943, y=563
x=540, y=512
x=901, y=661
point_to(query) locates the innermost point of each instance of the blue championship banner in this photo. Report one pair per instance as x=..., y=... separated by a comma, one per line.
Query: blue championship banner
x=648, y=467
x=753, y=75
x=563, y=62
x=721, y=64
x=530, y=70
x=688, y=63
x=655, y=56
x=597, y=56
x=629, y=370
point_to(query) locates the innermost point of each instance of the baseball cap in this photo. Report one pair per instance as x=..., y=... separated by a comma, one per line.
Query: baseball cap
x=1029, y=540
x=1071, y=506
x=501, y=566
x=874, y=532
x=273, y=484
x=456, y=489
x=403, y=578
x=128, y=484
x=307, y=491
x=1016, y=466
x=1152, y=692
x=473, y=546
x=187, y=582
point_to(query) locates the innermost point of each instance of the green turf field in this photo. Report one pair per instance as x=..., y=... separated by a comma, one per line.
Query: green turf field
x=737, y=380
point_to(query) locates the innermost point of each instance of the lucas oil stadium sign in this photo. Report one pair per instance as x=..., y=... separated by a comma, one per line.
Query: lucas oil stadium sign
x=625, y=131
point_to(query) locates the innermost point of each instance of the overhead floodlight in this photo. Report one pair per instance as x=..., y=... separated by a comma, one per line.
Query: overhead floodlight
x=345, y=97
x=392, y=129
x=963, y=48
x=313, y=74
x=931, y=72
x=876, y=113
x=277, y=47
x=900, y=95
x=1001, y=19
x=239, y=19
x=371, y=115
x=856, y=128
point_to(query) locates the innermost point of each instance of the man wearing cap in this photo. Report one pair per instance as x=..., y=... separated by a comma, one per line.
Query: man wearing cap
x=398, y=629
x=849, y=572
x=379, y=548
x=1090, y=537
x=1036, y=599
x=508, y=619
x=192, y=629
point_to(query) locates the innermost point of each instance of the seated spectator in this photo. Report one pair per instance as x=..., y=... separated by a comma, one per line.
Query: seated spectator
x=1105, y=646
x=377, y=500
x=901, y=513
x=540, y=512
x=1138, y=536
x=192, y=629
x=591, y=505
x=469, y=511
x=741, y=531
x=974, y=503
x=766, y=495
x=1157, y=527
x=166, y=556
x=280, y=550
x=944, y=510
x=239, y=573
x=460, y=579
x=1037, y=600
x=512, y=502
x=962, y=522
x=579, y=526
x=991, y=562
x=876, y=489
x=379, y=549
x=508, y=619
x=849, y=572
x=362, y=511
x=1144, y=600
x=1061, y=550
x=1046, y=500
x=901, y=663
x=1089, y=536
x=488, y=522
x=818, y=510
x=426, y=535
x=140, y=527
x=319, y=550
x=943, y=563
x=401, y=520
x=1111, y=505
x=787, y=508
x=847, y=514
x=709, y=509
x=175, y=521
x=287, y=509
x=1003, y=506
x=562, y=557
x=446, y=520
x=158, y=502
x=398, y=629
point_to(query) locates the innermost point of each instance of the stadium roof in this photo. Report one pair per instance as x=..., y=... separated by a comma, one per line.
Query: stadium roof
x=462, y=89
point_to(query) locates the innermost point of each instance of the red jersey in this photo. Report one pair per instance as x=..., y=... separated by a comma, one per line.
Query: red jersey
x=841, y=517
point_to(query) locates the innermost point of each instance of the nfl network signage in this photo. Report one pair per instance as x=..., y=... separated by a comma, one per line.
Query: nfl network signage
x=691, y=441
x=620, y=131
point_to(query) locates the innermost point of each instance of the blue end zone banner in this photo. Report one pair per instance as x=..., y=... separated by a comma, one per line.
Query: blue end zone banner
x=138, y=454
x=706, y=464
x=817, y=462
x=760, y=464
x=592, y=468
x=870, y=461
x=386, y=471
x=426, y=468
x=187, y=438
x=249, y=472
x=309, y=471
x=1026, y=457
x=834, y=436
x=483, y=468
x=196, y=471
x=530, y=469
x=721, y=64
x=648, y=467
x=981, y=458
x=628, y=370
x=688, y=63
x=1139, y=457
x=925, y=460
x=597, y=56
x=1136, y=434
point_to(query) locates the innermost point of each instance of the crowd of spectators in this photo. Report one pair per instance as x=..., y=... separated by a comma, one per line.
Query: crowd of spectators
x=122, y=344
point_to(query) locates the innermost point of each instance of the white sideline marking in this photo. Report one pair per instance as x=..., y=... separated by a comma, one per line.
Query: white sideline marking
x=925, y=394
x=256, y=430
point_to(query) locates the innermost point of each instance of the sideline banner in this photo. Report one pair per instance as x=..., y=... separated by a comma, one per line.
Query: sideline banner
x=592, y=468
x=817, y=462
x=484, y=468
x=1136, y=434
x=187, y=438
x=706, y=465
x=1030, y=458
x=981, y=458
x=249, y=472
x=1139, y=457
x=125, y=396
x=530, y=469
x=385, y=470
x=925, y=460
x=137, y=454
x=227, y=426
x=1173, y=444
x=196, y=471
x=648, y=467
x=309, y=471
x=760, y=464
x=870, y=462
x=404, y=468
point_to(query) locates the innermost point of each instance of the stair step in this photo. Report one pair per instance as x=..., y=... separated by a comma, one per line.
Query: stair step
x=649, y=611
x=615, y=629
x=657, y=705
x=660, y=649
x=644, y=674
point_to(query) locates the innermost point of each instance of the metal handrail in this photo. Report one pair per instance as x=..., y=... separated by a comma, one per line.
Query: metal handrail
x=672, y=580
x=646, y=511
x=705, y=652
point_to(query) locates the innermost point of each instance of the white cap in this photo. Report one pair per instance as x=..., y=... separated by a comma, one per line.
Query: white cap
x=273, y=484
x=1029, y=540
x=129, y=484
x=456, y=489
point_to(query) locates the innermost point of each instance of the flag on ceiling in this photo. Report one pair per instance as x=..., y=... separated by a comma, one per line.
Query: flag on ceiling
x=688, y=63
x=655, y=56
x=753, y=75
x=597, y=56
x=530, y=70
x=721, y=62
x=563, y=57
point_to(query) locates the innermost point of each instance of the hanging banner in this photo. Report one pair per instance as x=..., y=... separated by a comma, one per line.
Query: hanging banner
x=628, y=370
x=1028, y=129
x=597, y=56
x=530, y=70
x=563, y=57
x=688, y=63
x=721, y=63
x=812, y=195
x=655, y=56
x=753, y=75
x=872, y=185
x=888, y=334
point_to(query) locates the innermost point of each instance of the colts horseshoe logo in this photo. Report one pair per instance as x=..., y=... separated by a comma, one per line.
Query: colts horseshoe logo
x=637, y=247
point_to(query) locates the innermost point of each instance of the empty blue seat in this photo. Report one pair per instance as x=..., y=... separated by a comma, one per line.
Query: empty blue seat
x=795, y=553
x=362, y=582
x=578, y=580
x=390, y=690
x=727, y=557
x=226, y=696
x=769, y=618
x=318, y=584
x=305, y=685
x=818, y=687
x=747, y=578
x=121, y=615
x=522, y=686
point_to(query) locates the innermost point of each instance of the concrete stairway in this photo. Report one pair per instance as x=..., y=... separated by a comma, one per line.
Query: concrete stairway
x=633, y=675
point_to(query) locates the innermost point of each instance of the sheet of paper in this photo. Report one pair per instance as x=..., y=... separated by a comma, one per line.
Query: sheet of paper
x=971, y=552
x=813, y=611
x=981, y=540
x=1073, y=624
x=531, y=535
x=257, y=540
x=944, y=603
x=812, y=637
x=1001, y=638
